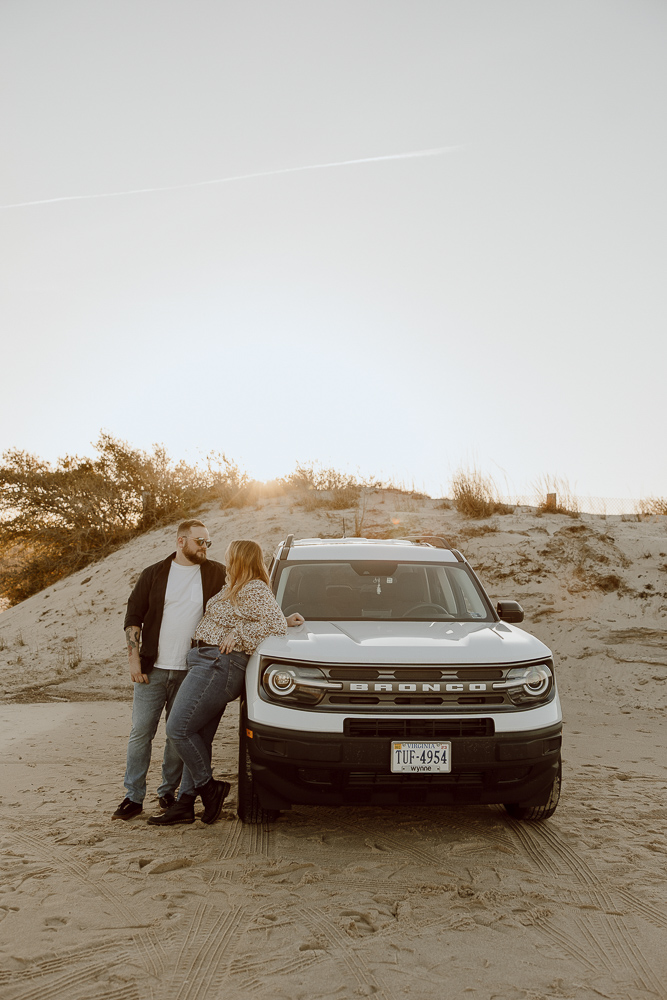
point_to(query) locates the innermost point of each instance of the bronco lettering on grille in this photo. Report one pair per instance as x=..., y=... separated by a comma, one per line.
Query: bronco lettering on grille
x=421, y=687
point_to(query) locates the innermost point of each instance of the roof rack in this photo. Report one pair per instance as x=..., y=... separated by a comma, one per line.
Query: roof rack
x=435, y=540
x=287, y=545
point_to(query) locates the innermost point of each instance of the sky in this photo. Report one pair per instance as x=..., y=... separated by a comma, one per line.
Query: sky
x=469, y=273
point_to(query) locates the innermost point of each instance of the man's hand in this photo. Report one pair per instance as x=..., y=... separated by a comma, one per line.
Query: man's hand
x=136, y=674
x=132, y=638
x=295, y=619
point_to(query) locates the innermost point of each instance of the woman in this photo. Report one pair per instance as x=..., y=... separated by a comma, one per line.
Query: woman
x=236, y=620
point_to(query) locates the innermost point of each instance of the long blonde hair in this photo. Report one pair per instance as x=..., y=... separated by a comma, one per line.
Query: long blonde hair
x=245, y=562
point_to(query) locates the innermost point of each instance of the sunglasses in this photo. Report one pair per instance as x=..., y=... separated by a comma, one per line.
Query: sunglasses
x=202, y=541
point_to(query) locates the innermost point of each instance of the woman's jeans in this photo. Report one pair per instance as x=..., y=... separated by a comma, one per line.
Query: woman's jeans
x=213, y=680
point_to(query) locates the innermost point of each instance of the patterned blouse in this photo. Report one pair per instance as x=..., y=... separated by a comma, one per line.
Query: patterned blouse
x=254, y=616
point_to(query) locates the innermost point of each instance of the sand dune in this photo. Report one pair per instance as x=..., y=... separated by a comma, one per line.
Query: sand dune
x=398, y=902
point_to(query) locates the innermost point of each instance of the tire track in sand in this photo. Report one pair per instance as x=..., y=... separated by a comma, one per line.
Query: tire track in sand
x=381, y=839
x=247, y=967
x=371, y=885
x=62, y=961
x=247, y=839
x=57, y=863
x=617, y=943
x=346, y=954
x=608, y=932
x=151, y=948
x=570, y=943
x=75, y=985
x=643, y=909
x=250, y=969
x=200, y=968
x=545, y=863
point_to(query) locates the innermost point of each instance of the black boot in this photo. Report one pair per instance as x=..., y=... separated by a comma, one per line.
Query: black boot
x=213, y=794
x=182, y=811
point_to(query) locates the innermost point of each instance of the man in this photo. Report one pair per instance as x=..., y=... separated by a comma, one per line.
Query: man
x=163, y=612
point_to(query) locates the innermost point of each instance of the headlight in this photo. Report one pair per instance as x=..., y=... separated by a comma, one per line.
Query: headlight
x=306, y=685
x=527, y=684
x=280, y=681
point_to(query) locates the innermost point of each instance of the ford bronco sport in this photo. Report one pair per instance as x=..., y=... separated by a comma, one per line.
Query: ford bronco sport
x=404, y=686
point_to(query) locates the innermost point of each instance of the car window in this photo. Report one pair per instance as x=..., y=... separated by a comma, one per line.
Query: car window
x=380, y=591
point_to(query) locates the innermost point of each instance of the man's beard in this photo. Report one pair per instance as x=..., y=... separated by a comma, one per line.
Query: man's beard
x=198, y=556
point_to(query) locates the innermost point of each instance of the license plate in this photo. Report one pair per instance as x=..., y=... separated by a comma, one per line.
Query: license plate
x=421, y=758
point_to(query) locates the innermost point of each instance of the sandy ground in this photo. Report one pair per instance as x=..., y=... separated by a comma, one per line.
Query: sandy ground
x=396, y=902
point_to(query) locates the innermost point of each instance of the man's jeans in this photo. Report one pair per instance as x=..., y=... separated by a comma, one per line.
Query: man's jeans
x=213, y=680
x=149, y=700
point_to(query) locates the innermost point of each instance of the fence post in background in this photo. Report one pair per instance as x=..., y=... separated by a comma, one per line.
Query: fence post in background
x=551, y=503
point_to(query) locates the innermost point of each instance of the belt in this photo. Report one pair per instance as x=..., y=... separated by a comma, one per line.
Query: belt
x=199, y=644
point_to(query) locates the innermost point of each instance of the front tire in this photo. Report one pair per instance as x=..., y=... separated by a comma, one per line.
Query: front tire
x=535, y=813
x=249, y=810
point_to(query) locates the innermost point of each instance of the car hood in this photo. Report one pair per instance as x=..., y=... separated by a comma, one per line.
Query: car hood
x=406, y=642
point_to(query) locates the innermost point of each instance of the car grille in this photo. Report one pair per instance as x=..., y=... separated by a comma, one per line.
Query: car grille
x=393, y=687
x=408, y=673
x=419, y=729
x=467, y=779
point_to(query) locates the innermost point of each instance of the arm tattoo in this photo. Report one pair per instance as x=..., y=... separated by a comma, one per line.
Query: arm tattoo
x=132, y=633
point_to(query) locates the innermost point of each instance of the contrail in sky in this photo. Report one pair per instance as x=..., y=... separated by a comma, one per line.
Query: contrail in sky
x=438, y=151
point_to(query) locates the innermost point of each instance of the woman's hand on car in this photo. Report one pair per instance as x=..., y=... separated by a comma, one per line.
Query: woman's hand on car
x=295, y=619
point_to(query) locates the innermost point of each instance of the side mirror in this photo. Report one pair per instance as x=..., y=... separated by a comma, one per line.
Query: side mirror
x=510, y=611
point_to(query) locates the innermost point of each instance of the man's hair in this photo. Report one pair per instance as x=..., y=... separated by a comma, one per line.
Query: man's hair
x=184, y=526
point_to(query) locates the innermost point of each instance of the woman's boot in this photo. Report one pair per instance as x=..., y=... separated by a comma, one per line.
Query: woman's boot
x=182, y=811
x=213, y=794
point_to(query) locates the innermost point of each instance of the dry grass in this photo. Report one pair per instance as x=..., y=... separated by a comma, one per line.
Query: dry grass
x=341, y=499
x=318, y=487
x=476, y=495
x=71, y=653
x=360, y=514
x=315, y=487
x=477, y=530
x=606, y=582
x=555, y=496
x=652, y=505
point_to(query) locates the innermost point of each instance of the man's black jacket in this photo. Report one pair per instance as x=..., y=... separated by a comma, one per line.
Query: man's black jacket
x=146, y=604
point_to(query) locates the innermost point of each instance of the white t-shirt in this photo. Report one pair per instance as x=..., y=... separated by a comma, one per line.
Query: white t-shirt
x=183, y=609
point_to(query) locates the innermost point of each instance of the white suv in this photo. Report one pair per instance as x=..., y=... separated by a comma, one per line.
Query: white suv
x=404, y=686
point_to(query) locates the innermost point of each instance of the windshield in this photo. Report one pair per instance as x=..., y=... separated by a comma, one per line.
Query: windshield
x=381, y=591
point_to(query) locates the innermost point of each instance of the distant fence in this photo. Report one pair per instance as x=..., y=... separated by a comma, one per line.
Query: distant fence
x=590, y=505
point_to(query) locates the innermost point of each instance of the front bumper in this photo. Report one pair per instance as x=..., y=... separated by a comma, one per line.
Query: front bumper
x=297, y=767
